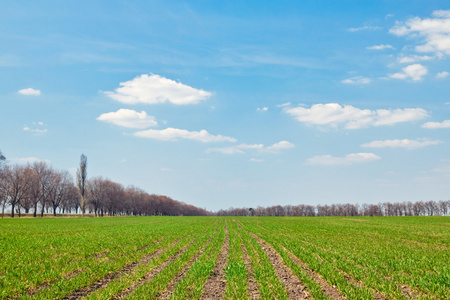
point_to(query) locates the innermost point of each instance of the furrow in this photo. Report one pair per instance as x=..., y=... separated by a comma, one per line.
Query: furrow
x=252, y=288
x=149, y=276
x=214, y=288
x=171, y=286
x=103, y=282
x=330, y=291
x=294, y=288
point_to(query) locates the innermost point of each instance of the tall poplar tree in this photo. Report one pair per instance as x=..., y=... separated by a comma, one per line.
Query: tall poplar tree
x=81, y=182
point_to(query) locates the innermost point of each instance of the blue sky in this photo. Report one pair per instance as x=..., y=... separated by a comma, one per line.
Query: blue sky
x=234, y=103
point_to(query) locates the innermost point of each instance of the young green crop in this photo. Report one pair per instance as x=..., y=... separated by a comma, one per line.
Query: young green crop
x=135, y=257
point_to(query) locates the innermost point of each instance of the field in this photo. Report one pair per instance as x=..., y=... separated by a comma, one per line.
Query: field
x=225, y=258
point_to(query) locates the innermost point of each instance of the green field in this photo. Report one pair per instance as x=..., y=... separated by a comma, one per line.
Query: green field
x=225, y=258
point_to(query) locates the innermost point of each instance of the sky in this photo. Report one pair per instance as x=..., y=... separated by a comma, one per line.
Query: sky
x=225, y=104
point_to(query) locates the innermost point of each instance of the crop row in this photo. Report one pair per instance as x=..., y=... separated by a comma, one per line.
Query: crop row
x=224, y=258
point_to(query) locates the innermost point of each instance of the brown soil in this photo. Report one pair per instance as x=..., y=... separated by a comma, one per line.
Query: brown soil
x=294, y=288
x=149, y=276
x=408, y=292
x=103, y=282
x=214, y=287
x=171, y=286
x=376, y=295
x=330, y=291
x=147, y=245
x=252, y=289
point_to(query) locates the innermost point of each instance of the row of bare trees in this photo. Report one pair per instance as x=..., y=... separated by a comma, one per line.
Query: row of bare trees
x=39, y=188
x=419, y=208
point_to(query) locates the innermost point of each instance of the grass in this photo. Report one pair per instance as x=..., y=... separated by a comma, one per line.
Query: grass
x=362, y=257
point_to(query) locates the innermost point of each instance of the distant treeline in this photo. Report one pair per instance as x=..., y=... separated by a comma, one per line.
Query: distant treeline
x=38, y=188
x=420, y=208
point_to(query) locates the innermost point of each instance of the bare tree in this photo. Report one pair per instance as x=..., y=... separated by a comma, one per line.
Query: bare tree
x=81, y=182
x=16, y=186
x=96, y=188
x=43, y=173
x=61, y=183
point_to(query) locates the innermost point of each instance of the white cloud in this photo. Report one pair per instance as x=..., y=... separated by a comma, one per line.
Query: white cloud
x=129, y=118
x=356, y=80
x=239, y=149
x=434, y=32
x=173, y=134
x=265, y=108
x=380, y=47
x=225, y=150
x=37, y=128
x=346, y=160
x=256, y=160
x=27, y=160
x=415, y=72
x=278, y=147
x=437, y=125
x=334, y=115
x=405, y=143
x=364, y=28
x=153, y=89
x=29, y=92
x=284, y=104
x=442, y=74
x=413, y=58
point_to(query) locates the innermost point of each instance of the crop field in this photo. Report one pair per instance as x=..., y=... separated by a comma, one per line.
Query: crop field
x=225, y=258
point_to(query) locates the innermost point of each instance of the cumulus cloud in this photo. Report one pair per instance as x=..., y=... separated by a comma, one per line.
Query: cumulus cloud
x=356, y=80
x=434, y=32
x=413, y=58
x=334, y=115
x=380, y=47
x=265, y=108
x=441, y=75
x=284, y=104
x=153, y=89
x=437, y=125
x=346, y=160
x=38, y=128
x=129, y=118
x=356, y=29
x=240, y=149
x=256, y=160
x=174, y=134
x=29, y=92
x=275, y=148
x=27, y=160
x=405, y=143
x=414, y=72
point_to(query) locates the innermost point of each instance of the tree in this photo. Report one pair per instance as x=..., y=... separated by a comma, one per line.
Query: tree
x=61, y=185
x=81, y=182
x=96, y=188
x=16, y=186
x=43, y=173
x=2, y=159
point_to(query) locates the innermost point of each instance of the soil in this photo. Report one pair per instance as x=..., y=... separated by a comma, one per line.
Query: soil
x=149, y=276
x=252, y=289
x=214, y=287
x=103, y=282
x=171, y=286
x=330, y=291
x=294, y=288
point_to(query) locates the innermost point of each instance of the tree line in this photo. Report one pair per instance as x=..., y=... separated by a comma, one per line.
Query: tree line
x=39, y=188
x=419, y=208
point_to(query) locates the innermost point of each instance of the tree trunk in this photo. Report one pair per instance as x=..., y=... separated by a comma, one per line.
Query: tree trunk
x=35, y=209
x=12, y=209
